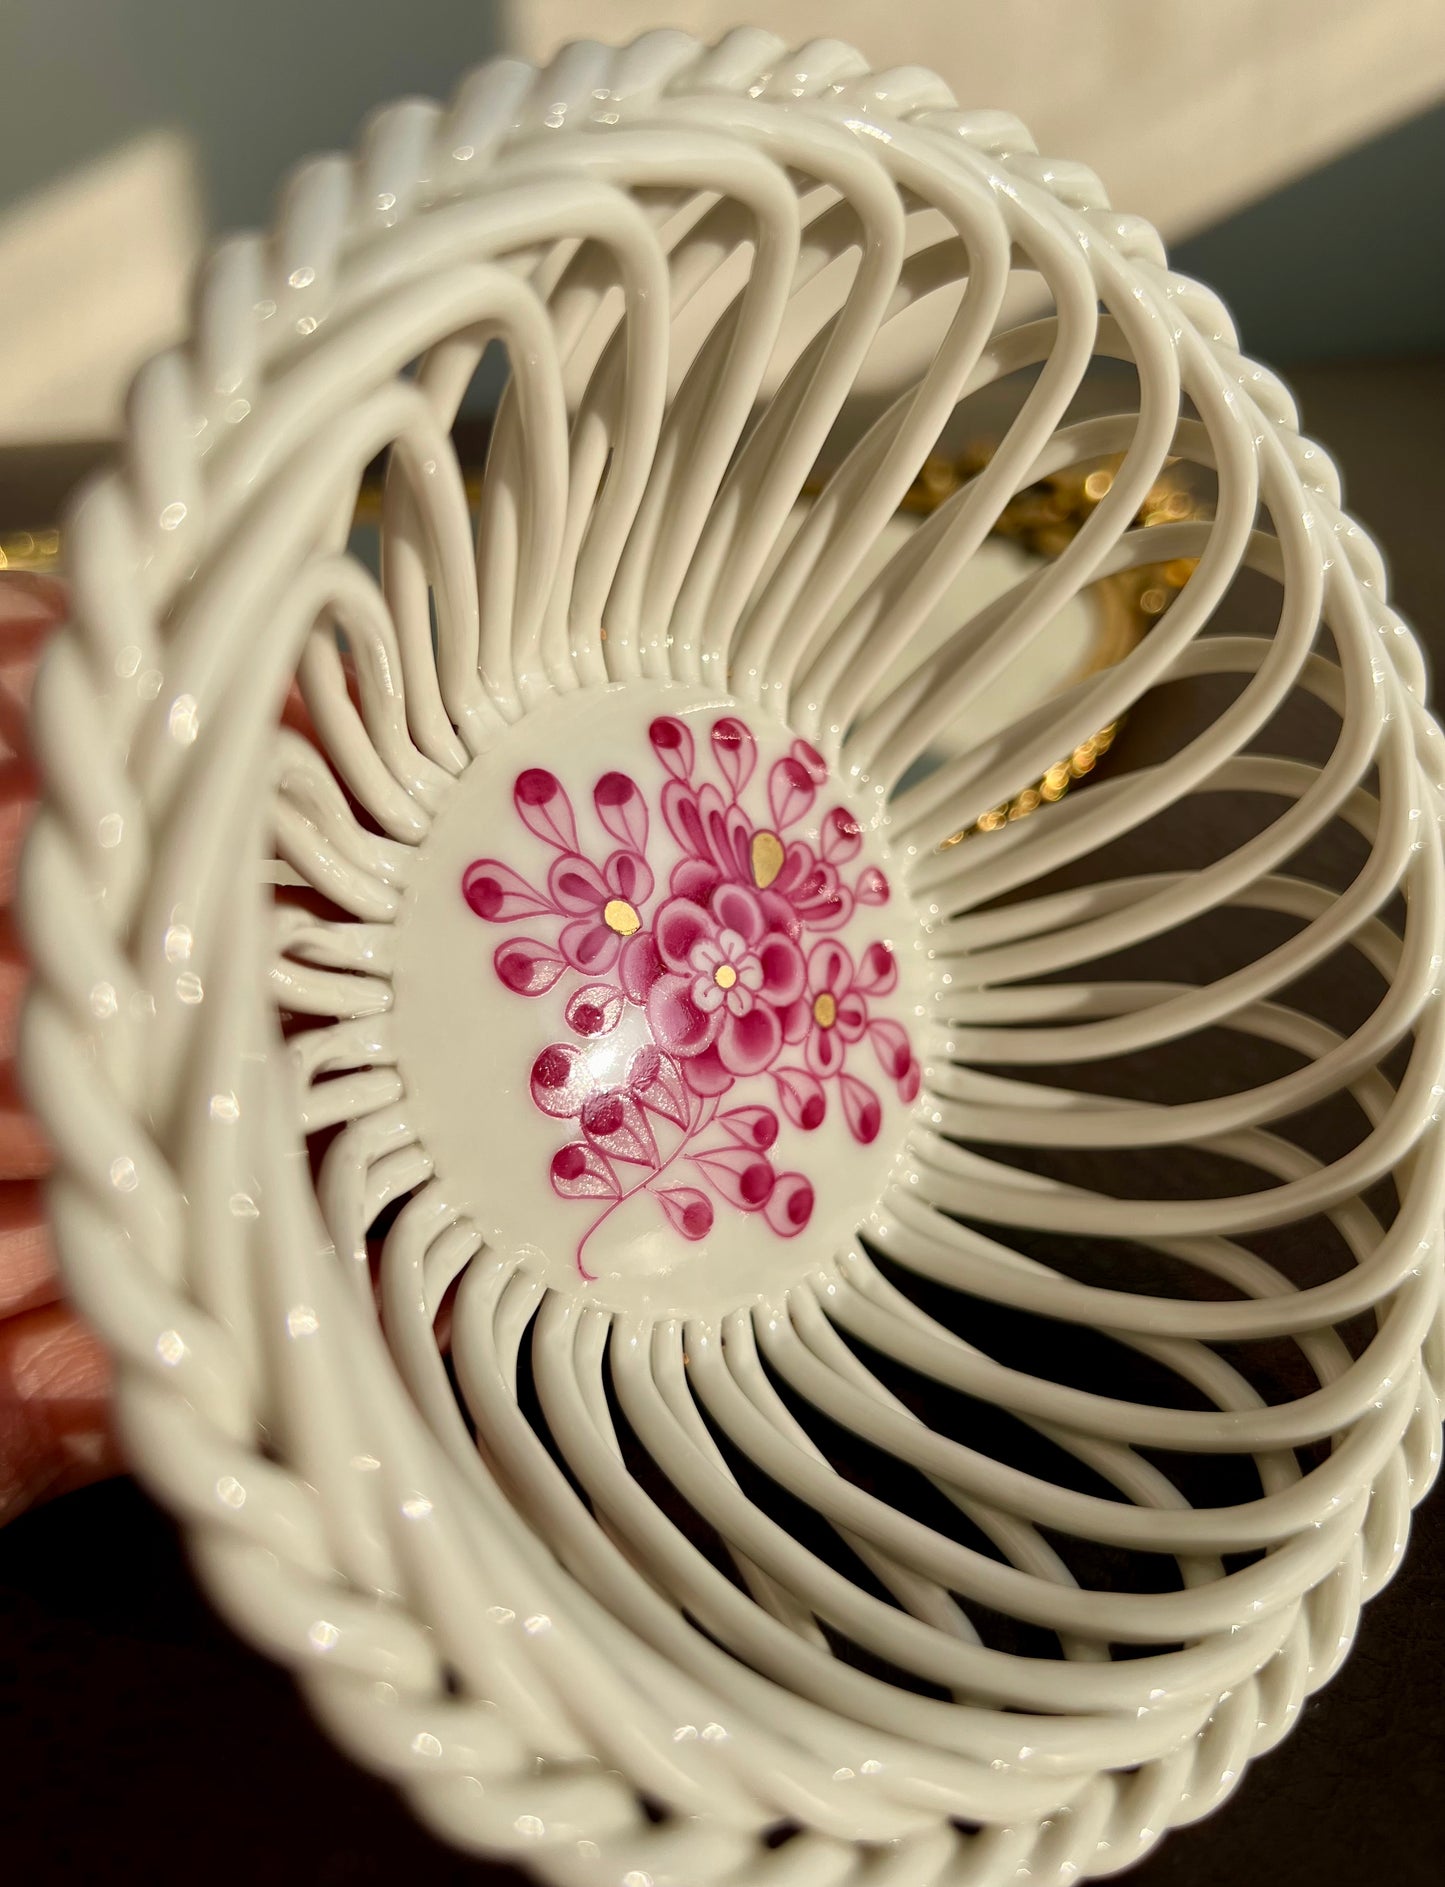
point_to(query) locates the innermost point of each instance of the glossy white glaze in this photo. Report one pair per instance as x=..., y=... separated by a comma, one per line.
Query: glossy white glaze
x=532, y=1653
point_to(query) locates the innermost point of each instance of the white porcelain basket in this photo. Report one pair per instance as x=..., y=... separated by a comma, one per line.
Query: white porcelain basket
x=592, y=1188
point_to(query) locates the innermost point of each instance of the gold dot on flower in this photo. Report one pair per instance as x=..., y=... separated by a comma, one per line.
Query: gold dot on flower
x=725, y=976
x=825, y=1010
x=618, y=915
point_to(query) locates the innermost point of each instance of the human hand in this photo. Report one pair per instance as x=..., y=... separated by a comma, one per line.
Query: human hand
x=55, y=1432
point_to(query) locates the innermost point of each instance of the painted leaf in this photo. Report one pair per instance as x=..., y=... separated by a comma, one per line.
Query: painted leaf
x=735, y=750
x=790, y=1205
x=622, y=809
x=654, y=1079
x=877, y=970
x=595, y=1009
x=862, y=1108
x=617, y=1127
x=688, y=1210
x=750, y=1126
x=802, y=1097
x=543, y=806
x=890, y=1044
x=499, y=894
x=744, y=1179
x=790, y=792
x=580, y=1172
x=672, y=743
x=872, y=886
x=560, y=1081
x=527, y=967
x=842, y=836
x=811, y=761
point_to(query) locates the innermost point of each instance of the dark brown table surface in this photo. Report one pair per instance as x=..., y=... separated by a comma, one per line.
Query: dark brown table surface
x=140, y=1742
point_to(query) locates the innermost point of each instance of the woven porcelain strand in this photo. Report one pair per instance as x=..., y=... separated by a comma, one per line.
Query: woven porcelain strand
x=548, y=1664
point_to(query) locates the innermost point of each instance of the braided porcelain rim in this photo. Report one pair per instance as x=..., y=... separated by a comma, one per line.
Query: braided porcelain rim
x=525, y=1664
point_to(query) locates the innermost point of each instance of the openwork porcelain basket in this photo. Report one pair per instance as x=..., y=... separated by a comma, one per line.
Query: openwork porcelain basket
x=729, y=1324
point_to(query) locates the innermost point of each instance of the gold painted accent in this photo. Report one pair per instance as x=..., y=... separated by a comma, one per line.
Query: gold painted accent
x=1044, y=518
x=36, y=551
x=767, y=858
x=725, y=976
x=618, y=915
x=825, y=1010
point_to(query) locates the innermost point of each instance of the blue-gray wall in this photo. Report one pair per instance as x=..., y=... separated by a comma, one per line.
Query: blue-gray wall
x=257, y=83
x=1348, y=262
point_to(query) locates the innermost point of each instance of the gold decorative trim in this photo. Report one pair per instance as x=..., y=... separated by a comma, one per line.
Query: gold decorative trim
x=1043, y=519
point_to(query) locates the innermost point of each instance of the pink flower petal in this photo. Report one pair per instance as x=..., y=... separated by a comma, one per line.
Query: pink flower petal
x=560, y=1081
x=498, y=894
x=629, y=876
x=730, y=836
x=824, y=1051
x=890, y=1044
x=705, y=1074
x=576, y=885
x=744, y=1179
x=830, y=968
x=639, y=965
x=750, y=1126
x=781, y=962
x=543, y=806
x=680, y=926
x=695, y=879
x=790, y=792
x=688, y=1211
x=790, y=1205
x=872, y=886
x=622, y=809
x=615, y=1124
x=528, y=968
x=802, y=1097
x=672, y=743
x=595, y=1009
x=682, y=815
x=852, y=1017
x=796, y=1019
x=589, y=945
x=877, y=970
x=735, y=751
x=909, y=1082
x=749, y=1042
x=842, y=836
x=580, y=1172
x=677, y=1025
x=862, y=1107
x=736, y=907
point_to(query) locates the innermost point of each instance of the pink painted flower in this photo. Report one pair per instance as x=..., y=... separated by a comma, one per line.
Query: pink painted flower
x=600, y=904
x=718, y=971
x=726, y=977
x=834, y=1008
